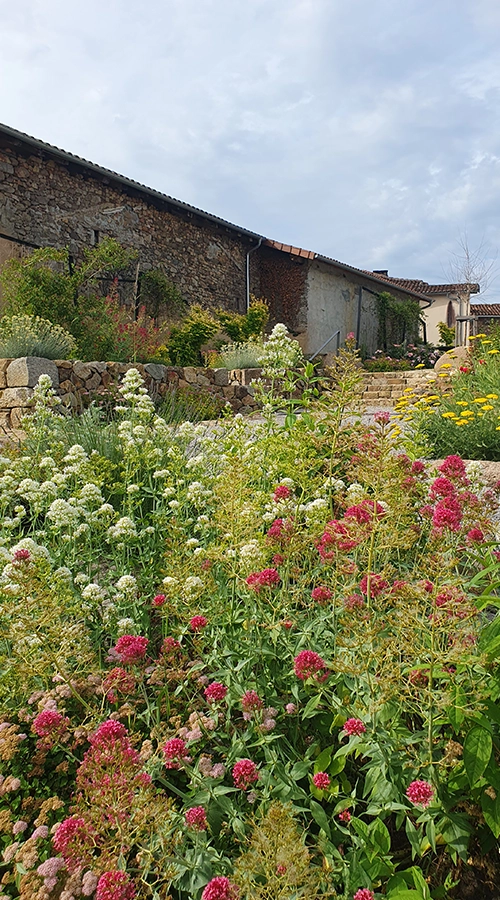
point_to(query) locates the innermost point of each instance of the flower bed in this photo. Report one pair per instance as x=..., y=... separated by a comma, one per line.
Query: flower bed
x=246, y=661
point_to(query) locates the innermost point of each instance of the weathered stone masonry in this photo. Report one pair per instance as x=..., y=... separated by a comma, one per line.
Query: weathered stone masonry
x=46, y=201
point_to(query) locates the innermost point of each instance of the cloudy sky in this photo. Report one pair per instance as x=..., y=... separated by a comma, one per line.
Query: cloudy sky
x=366, y=130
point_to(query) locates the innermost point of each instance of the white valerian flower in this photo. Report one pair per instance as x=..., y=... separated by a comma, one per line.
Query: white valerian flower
x=93, y=592
x=161, y=473
x=37, y=551
x=81, y=578
x=174, y=504
x=355, y=493
x=91, y=495
x=192, y=542
x=62, y=514
x=133, y=489
x=198, y=551
x=169, y=583
x=192, y=586
x=127, y=584
x=126, y=626
x=123, y=529
x=168, y=492
x=64, y=573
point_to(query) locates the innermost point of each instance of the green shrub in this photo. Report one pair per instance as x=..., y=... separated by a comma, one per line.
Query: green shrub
x=189, y=405
x=186, y=340
x=34, y=336
x=241, y=328
x=240, y=356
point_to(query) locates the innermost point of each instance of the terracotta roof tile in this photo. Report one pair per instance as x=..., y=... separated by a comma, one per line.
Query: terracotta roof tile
x=485, y=309
x=422, y=287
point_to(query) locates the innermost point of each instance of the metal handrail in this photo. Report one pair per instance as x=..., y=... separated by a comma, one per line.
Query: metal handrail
x=335, y=334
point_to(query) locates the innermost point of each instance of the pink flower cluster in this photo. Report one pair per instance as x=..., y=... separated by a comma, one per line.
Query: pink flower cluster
x=365, y=511
x=131, y=648
x=108, y=732
x=196, y=818
x=354, y=601
x=21, y=555
x=159, y=600
x=115, y=885
x=70, y=834
x=244, y=773
x=282, y=492
x=336, y=537
x=118, y=681
x=354, y=727
x=266, y=578
x=321, y=594
x=321, y=780
x=251, y=702
x=215, y=692
x=220, y=888
x=169, y=647
x=308, y=664
x=345, y=816
x=175, y=753
x=364, y=894
x=375, y=583
x=420, y=793
x=49, y=724
x=198, y=623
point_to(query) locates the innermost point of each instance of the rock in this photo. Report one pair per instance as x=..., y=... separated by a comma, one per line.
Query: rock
x=156, y=371
x=63, y=363
x=25, y=371
x=453, y=359
x=16, y=415
x=15, y=396
x=190, y=374
x=97, y=366
x=221, y=377
x=82, y=370
x=93, y=382
x=66, y=386
x=203, y=380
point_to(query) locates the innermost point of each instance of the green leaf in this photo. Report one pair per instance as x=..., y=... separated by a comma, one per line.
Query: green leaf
x=477, y=752
x=311, y=706
x=320, y=817
x=415, y=838
x=491, y=812
x=323, y=760
x=456, y=712
x=380, y=836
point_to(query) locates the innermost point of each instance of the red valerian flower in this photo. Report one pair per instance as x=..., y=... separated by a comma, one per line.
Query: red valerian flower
x=442, y=487
x=107, y=733
x=345, y=816
x=308, y=664
x=174, y=751
x=453, y=467
x=215, y=691
x=447, y=514
x=170, y=646
x=321, y=780
x=376, y=582
x=118, y=681
x=266, y=578
x=21, y=554
x=420, y=793
x=69, y=834
x=251, y=702
x=417, y=467
x=196, y=818
x=198, y=623
x=335, y=537
x=115, y=885
x=131, y=648
x=282, y=492
x=321, y=594
x=364, y=894
x=354, y=726
x=220, y=888
x=475, y=536
x=354, y=601
x=159, y=600
x=49, y=723
x=244, y=773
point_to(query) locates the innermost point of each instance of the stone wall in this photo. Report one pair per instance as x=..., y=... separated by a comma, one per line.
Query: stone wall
x=49, y=202
x=77, y=383
x=386, y=388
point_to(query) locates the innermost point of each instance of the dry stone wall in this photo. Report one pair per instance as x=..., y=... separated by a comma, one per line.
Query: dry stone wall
x=78, y=382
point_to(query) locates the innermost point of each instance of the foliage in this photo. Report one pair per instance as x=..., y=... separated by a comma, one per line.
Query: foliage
x=398, y=320
x=247, y=327
x=239, y=356
x=186, y=340
x=401, y=357
x=189, y=405
x=33, y=336
x=160, y=296
x=133, y=337
x=464, y=415
x=47, y=284
x=268, y=657
x=447, y=334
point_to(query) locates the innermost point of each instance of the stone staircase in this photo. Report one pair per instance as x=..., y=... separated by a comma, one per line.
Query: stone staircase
x=384, y=389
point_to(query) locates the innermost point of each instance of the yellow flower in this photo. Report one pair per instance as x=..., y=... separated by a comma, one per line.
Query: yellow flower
x=492, y=351
x=433, y=397
x=420, y=366
x=487, y=407
x=448, y=415
x=480, y=415
x=480, y=400
x=443, y=374
x=461, y=403
x=461, y=422
x=446, y=366
x=465, y=413
x=497, y=428
x=486, y=342
x=492, y=396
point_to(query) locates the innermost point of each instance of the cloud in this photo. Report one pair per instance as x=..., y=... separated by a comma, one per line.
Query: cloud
x=363, y=131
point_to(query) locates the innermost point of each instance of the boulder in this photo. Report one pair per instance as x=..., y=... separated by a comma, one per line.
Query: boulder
x=15, y=397
x=453, y=359
x=156, y=371
x=25, y=371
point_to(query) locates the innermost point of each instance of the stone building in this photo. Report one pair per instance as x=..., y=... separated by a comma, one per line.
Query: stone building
x=49, y=197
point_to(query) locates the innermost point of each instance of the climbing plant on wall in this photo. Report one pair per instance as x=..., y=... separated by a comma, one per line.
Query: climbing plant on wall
x=398, y=320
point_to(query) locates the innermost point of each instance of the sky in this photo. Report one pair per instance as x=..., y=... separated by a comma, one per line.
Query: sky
x=365, y=130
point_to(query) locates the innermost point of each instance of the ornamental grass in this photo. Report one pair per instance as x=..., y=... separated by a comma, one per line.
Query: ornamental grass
x=246, y=660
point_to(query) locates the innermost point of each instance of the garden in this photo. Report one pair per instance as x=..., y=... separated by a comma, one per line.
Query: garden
x=247, y=660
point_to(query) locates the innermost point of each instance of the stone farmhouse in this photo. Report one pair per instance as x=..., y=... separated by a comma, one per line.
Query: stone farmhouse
x=49, y=197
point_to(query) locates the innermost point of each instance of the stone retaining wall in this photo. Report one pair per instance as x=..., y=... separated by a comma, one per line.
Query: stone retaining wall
x=387, y=388
x=78, y=382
